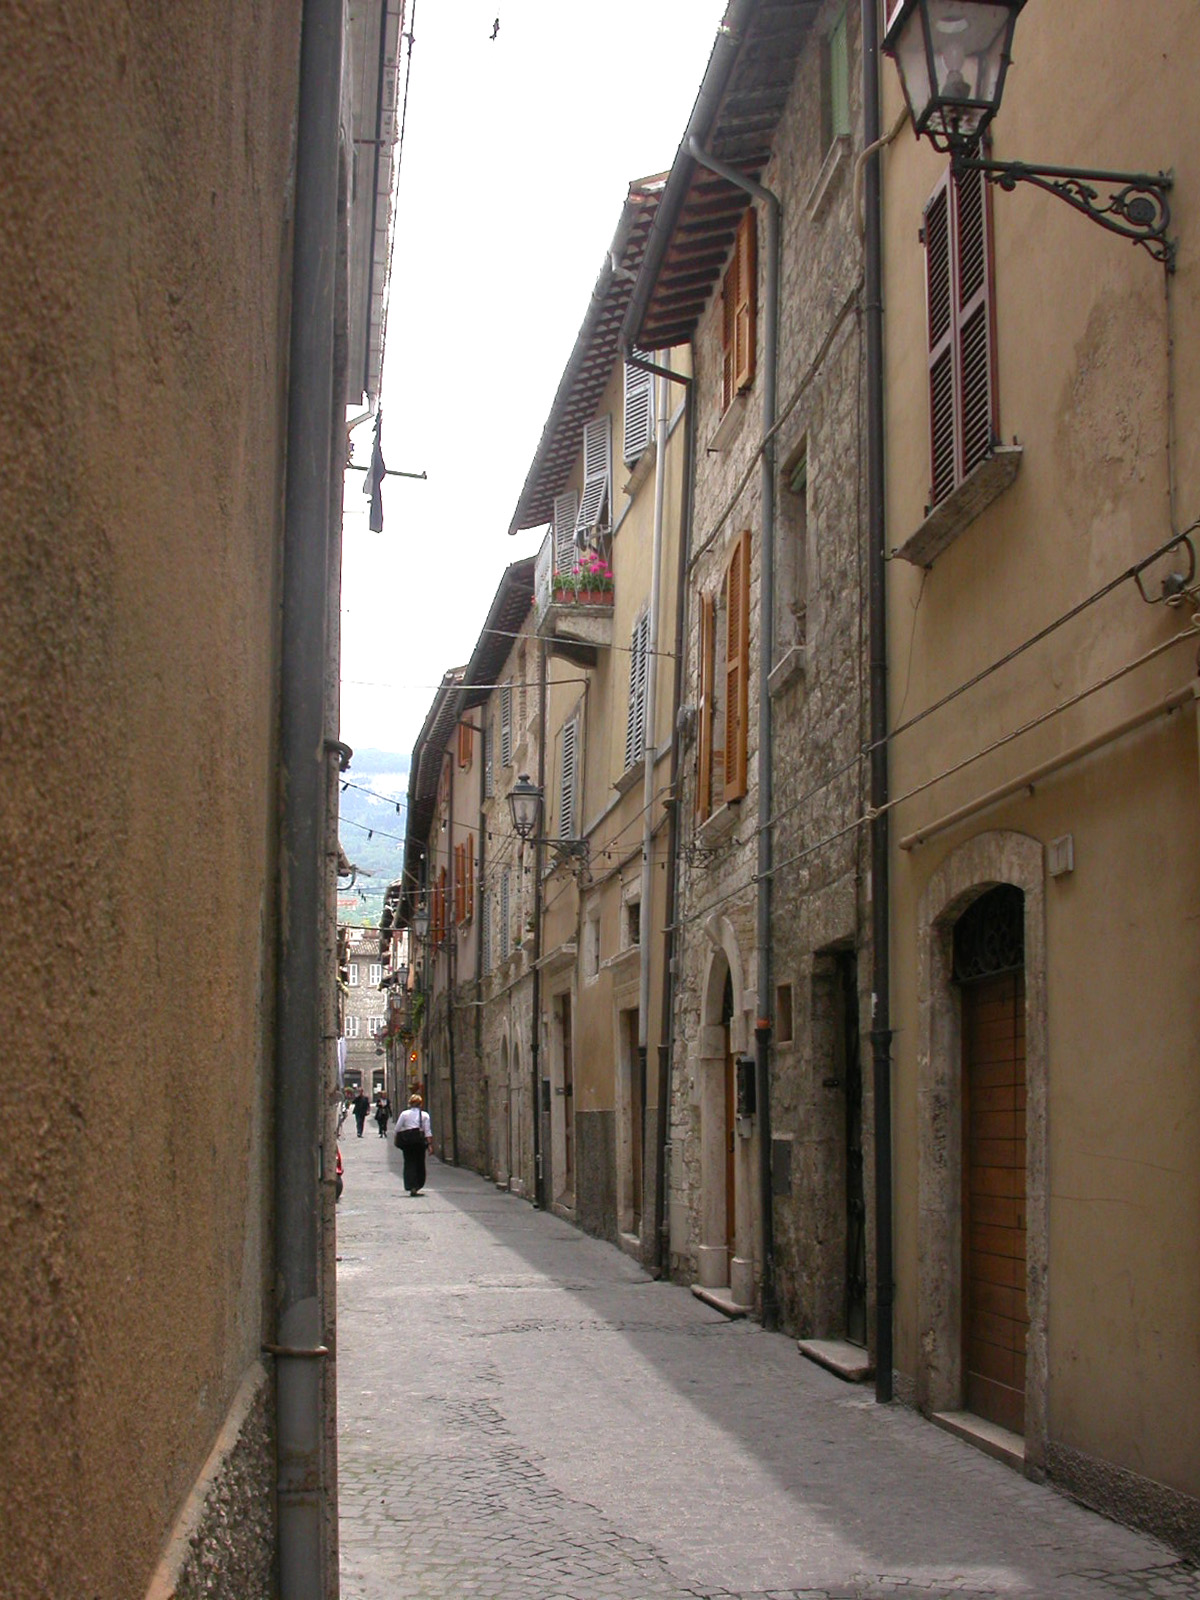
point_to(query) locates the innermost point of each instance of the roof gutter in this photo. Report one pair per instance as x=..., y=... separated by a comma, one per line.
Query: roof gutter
x=712, y=89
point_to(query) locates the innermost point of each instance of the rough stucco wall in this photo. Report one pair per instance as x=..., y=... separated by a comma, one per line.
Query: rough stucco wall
x=143, y=257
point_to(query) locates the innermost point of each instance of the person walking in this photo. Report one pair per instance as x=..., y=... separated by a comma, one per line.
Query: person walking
x=361, y=1106
x=414, y=1135
x=383, y=1113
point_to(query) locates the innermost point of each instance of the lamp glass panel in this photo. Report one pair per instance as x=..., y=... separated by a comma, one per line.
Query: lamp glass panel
x=967, y=41
x=913, y=62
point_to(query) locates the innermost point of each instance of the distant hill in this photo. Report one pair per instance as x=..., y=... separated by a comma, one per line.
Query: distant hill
x=371, y=829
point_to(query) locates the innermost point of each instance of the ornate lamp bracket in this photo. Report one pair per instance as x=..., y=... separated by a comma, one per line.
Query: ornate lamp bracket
x=1133, y=205
x=575, y=854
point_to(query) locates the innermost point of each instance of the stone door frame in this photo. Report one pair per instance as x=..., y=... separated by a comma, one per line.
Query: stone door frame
x=979, y=864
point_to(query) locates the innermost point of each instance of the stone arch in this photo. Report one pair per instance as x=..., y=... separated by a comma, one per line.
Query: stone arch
x=720, y=1267
x=977, y=865
x=723, y=943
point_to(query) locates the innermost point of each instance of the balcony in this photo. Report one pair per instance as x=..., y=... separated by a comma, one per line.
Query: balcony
x=573, y=606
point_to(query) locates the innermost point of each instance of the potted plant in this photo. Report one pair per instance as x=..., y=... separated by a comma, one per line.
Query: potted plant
x=593, y=580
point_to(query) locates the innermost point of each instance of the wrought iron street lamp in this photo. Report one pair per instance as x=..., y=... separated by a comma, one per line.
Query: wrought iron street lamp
x=420, y=921
x=953, y=58
x=525, y=803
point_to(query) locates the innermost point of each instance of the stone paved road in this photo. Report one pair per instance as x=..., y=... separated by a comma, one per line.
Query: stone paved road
x=525, y=1416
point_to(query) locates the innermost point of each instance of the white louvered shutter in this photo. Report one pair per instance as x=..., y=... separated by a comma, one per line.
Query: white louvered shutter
x=566, y=810
x=505, y=931
x=485, y=931
x=597, y=476
x=635, y=727
x=489, y=759
x=639, y=411
x=566, y=509
x=506, y=725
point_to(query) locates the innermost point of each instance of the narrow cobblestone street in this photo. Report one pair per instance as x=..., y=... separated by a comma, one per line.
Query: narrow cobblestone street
x=523, y=1413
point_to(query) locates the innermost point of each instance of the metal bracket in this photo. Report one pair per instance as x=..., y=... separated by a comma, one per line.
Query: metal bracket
x=343, y=752
x=1135, y=206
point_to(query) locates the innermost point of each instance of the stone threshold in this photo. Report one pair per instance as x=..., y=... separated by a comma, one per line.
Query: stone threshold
x=839, y=1356
x=721, y=1299
x=990, y=1437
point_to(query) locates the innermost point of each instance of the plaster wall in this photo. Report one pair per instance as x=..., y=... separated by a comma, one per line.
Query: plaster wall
x=145, y=258
x=1082, y=332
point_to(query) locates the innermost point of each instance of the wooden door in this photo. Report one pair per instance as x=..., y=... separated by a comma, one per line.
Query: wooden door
x=568, y=1089
x=995, y=1318
x=730, y=1137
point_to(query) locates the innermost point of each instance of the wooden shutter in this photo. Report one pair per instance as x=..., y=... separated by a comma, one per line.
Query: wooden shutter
x=489, y=758
x=705, y=732
x=466, y=743
x=597, y=477
x=506, y=725
x=566, y=508
x=728, y=321
x=744, y=330
x=639, y=411
x=737, y=662
x=635, y=725
x=567, y=772
x=962, y=389
x=485, y=930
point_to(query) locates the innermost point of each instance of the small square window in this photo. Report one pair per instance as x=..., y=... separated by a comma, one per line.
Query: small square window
x=633, y=923
x=783, y=1014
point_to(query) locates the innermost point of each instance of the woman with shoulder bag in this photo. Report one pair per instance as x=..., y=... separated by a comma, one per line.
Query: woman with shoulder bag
x=414, y=1135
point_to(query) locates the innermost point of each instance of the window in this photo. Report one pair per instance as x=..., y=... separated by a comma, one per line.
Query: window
x=485, y=932
x=566, y=509
x=835, y=84
x=466, y=743
x=437, y=920
x=791, y=605
x=522, y=692
x=783, y=1014
x=632, y=911
x=635, y=726
x=568, y=780
x=591, y=943
x=963, y=422
x=353, y=978
x=506, y=740
x=464, y=880
x=352, y=1027
x=505, y=930
x=597, y=478
x=724, y=654
x=489, y=759
x=639, y=411
x=739, y=300
x=375, y=974
x=375, y=1025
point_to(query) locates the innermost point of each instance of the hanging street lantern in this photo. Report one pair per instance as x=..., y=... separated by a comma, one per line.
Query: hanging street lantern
x=525, y=802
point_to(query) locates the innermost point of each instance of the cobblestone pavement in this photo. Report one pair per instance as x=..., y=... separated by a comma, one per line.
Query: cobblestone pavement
x=525, y=1416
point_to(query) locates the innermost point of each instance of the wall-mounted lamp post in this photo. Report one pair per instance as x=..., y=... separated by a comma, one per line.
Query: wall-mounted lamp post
x=953, y=57
x=525, y=802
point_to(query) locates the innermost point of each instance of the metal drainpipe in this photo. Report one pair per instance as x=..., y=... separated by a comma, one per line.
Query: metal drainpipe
x=301, y=1048
x=539, y=1176
x=762, y=1030
x=881, y=1034
x=649, y=747
x=666, y=1047
x=451, y=958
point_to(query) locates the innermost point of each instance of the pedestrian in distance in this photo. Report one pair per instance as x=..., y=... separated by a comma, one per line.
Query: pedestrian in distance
x=414, y=1135
x=383, y=1114
x=361, y=1106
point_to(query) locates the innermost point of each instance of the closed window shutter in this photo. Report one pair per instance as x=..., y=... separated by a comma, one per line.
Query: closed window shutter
x=566, y=508
x=962, y=386
x=705, y=735
x=506, y=726
x=737, y=660
x=489, y=759
x=597, y=477
x=635, y=726
x=469, y=862
x=728, y=323
x=639, y=411
x=566, y=810
x=744, y=332
x=485, y=932
x=460, y=886
x=504, y=928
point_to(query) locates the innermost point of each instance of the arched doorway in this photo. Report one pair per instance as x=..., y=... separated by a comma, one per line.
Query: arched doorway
x=725, y=1251
x=504, y=1121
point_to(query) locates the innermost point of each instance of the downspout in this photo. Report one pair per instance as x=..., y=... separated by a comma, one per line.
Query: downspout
x=660, y=1263
x=478, y=919
x=301, y=1048
x=451, y=959
x=539, y=1176
x=881, y=1035
x=766, y=614
x=649, y=748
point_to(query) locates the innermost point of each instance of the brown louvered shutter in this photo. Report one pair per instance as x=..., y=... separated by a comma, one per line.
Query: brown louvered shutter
x=744, y=332
x=962, y=386
x=974, y=317
x=705, y=732
x=737, y=660
x=728, y=323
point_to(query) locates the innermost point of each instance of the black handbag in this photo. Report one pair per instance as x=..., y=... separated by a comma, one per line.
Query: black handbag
x=410, y=1138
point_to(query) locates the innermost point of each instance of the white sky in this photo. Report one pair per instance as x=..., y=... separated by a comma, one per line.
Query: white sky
x=517, y=157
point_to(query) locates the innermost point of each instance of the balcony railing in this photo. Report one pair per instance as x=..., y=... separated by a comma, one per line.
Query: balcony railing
x=573, y=604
